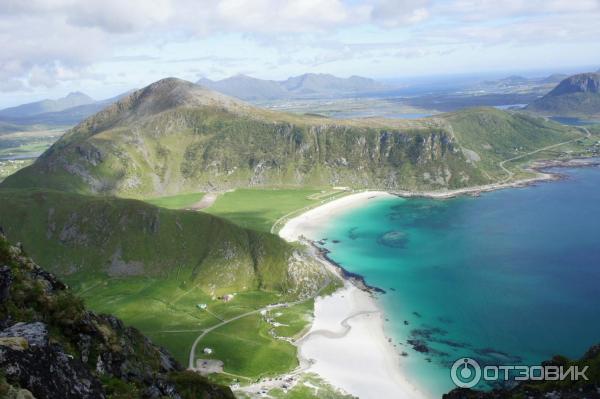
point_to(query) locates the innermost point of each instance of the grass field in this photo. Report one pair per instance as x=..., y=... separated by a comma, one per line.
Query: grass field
x=258, y=209
x=294, y=320
x=164, y=311
x=180, y=201
x=248, y=350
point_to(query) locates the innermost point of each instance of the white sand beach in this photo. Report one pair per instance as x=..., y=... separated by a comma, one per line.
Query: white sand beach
x=311, y=222
x=346, y=344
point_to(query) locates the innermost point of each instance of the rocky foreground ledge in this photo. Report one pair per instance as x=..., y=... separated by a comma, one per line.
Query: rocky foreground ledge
x=52, y=347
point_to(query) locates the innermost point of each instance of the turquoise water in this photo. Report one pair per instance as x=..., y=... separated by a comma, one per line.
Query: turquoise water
x=511, y=277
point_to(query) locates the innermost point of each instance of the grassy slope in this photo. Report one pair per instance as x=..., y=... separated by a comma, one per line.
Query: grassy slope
x=179, y=201
x=83, y=235
x=497, y=135
x=582, y=105
x=258, y=209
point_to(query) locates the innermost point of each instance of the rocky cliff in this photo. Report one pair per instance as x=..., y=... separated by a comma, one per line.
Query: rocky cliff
x=577, y=96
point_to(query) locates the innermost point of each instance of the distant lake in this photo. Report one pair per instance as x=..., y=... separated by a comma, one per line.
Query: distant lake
x=510, y=106
x=574, y=121
x=22, y=156
x=509, y=277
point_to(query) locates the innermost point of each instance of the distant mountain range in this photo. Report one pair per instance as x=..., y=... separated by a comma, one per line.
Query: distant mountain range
x=517, y=80
x=309, y=85
x=65, y=111
x=575, y=96
x=45, y=106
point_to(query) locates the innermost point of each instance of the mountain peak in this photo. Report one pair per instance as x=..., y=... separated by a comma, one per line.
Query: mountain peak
x=162, y=95
x=581, y=83
x=78, y=94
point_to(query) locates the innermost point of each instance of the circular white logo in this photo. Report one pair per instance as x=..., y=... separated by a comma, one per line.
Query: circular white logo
x=465, y=373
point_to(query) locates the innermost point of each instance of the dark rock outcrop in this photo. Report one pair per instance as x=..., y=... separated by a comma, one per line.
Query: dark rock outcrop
x=575, y=96
x=582, y=83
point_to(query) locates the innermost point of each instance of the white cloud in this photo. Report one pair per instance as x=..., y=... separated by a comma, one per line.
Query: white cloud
x=397, y=13
x=47, y=42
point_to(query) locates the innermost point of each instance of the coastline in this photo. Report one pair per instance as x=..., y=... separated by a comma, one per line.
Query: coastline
x=346, y=344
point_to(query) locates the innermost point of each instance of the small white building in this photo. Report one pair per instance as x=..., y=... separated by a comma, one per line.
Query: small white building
x=201, y=306
x=207, y=351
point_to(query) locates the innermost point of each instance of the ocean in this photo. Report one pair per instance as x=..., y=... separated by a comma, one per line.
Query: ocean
x=510, y=277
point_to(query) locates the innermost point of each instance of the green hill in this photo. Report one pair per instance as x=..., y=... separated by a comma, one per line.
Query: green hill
x=86, y=238
x=576, y=96
x=174, y=136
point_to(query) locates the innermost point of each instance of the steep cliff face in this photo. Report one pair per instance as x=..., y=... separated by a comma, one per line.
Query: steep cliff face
x=100, y=238
x=577, y=95
x=582, y=83
x=51, y=347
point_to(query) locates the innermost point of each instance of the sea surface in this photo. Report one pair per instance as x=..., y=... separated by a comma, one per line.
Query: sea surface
x=511, y=277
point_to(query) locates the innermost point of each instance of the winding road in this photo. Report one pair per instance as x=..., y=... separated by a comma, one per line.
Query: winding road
x=192, y=356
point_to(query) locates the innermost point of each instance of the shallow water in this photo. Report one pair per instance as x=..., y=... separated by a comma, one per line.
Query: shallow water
x=511, y=277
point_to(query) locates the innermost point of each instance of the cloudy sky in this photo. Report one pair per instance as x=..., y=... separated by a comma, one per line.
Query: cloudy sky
x=103, y=47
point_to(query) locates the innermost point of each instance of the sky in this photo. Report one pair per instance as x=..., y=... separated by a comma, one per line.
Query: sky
x=49, y=48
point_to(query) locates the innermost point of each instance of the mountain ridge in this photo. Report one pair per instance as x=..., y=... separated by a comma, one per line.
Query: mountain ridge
x=175, y=136
x=575, y=96
x=308, y=85
x=71, y=100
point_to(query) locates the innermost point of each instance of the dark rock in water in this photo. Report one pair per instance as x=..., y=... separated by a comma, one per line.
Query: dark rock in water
x=405, y=322
x=417, y=314
x=495, y=355
x=392, y=289
x=427, y=333
x=453, y=344
x=393, y=239
x=335, y=241
x=418, y=345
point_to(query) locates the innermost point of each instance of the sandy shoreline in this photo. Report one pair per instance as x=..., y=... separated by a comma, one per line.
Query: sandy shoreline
x=311, y=222
x=346, y=344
